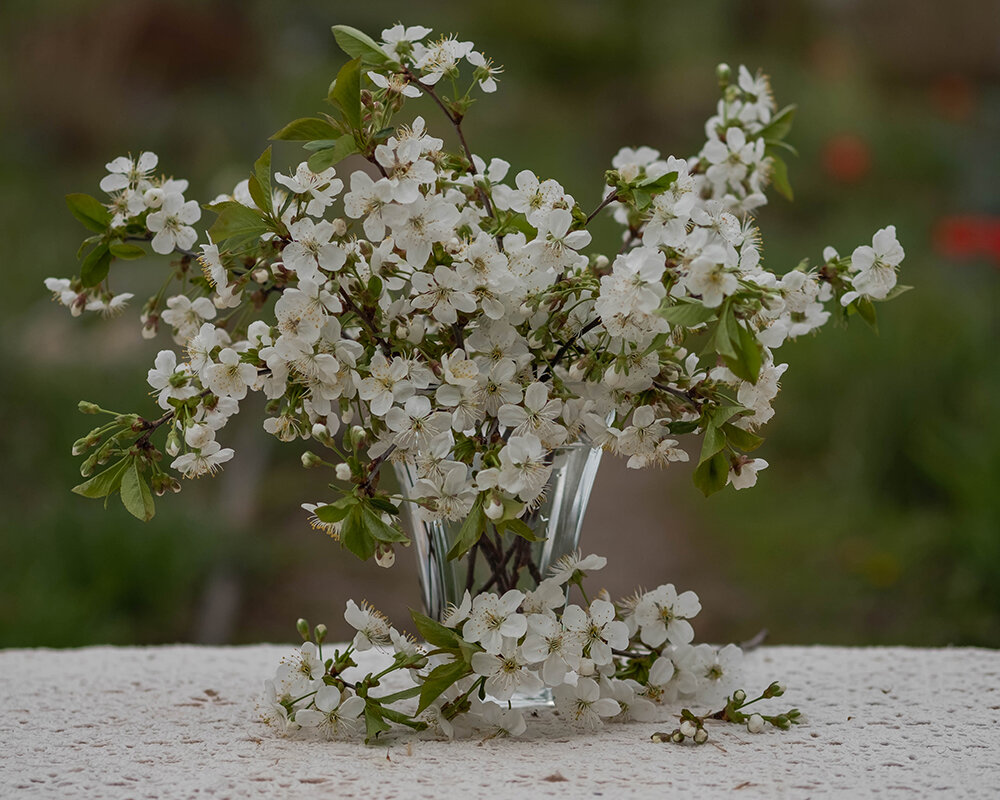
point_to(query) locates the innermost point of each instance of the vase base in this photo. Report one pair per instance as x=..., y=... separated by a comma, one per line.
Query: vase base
x=539, y=699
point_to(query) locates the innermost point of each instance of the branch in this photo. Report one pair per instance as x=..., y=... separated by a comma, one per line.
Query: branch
x=566, y=346
x=612, y=196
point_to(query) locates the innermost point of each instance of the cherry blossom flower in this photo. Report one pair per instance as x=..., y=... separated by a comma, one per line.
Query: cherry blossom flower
x=494, y=617
x=172, y=224
x=583, y=704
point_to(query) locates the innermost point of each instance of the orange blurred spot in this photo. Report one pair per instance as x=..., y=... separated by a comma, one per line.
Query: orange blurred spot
x=846, y=157
x=953, y=96
x=968, y=237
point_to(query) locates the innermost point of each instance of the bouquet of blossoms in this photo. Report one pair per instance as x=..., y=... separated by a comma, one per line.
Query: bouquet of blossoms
x=432, y=312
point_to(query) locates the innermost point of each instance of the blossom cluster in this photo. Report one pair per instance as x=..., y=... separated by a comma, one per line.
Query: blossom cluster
x=601, y=661
x=438, y=308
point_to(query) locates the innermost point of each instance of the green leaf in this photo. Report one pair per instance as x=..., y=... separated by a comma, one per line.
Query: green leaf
x=359, y=45
x=136, y=497
x=237, y=224
x=355, y=536
x=383, y=504
x=435, y=633
x=439, y=679
x=346, y=92
x=779, y=177
x=711, y=475
x=95, y=266
x=306, y=129
x=260, y=182
x=866, y=310
x=104, y=483
x=327, y=157
x=749, y=358
x=380, y=530
x=722, y=341
x=519, y=528
x=780, y=124
x=90, y=211
x=473, y=527
x=772, y=146
x=896, y=291
x=742, y=439
x=687, y=315
x=374, y=724
x=128, y=252
x=713, y=443
x=335, y=512
x=659, y=184
x=723, y=414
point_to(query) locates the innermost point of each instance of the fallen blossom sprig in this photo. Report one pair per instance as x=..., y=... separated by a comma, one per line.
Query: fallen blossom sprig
x=432, y=311
x=602, y=661
x=692, y=726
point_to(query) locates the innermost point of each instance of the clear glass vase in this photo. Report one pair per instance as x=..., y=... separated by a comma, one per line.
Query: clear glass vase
x=556, y=521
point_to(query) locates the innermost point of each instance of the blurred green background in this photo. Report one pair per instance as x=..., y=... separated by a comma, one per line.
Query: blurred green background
x=879, y=519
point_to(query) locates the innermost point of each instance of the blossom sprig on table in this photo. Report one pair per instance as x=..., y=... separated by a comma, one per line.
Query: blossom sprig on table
x=602, y=661
x=428, y=309
x=692, y=726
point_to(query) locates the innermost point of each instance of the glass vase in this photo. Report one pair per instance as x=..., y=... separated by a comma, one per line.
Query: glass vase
x=510, y=561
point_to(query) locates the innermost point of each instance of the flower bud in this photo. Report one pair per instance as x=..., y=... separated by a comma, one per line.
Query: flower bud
x=339, y=227
x=173, y=445
x=774, y=690
x=302, y=626
x=385, y=556
x=586, y=668
x=320, y=633
x=86, y=407
x=739, y=695
x=310, y=460
x=260, y=275
x=677, y=737
x=755, y=724
x=153, y=198
x=494, y=510
x=700, y=736
x=724, y=74
x=688, y=728
x=343, y=471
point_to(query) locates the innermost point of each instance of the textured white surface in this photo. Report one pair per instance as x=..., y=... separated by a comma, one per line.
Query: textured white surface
x=178, y=722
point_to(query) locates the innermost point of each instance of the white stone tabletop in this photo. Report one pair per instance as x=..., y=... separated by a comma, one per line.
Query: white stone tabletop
x=178, y=721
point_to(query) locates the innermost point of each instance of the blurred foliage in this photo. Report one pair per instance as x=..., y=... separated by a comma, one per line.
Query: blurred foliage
x=878, y=520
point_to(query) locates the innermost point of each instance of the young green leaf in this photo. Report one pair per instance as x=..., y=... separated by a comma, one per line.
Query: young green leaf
x=439, y=679
x=328, y=156
x=90, y=211
x=346, y=92
x=473, y=527
x=103, y=483
x=748, y=360
x=687, y=314
x=136, y=497
x=355, y=536
x=306, y=129
x=435, y=633
x=374, y=724
x=359, y=45
x=380, y=530
x=95, y=266
x=260, y=182
x=335, y=512
x=779, y=177
x=780, y=124
x=742, y=439
x=722, y=341
x=713, y=442
x=710, y=476
x=128, y=252
x=237, y=224
x=519, y=528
